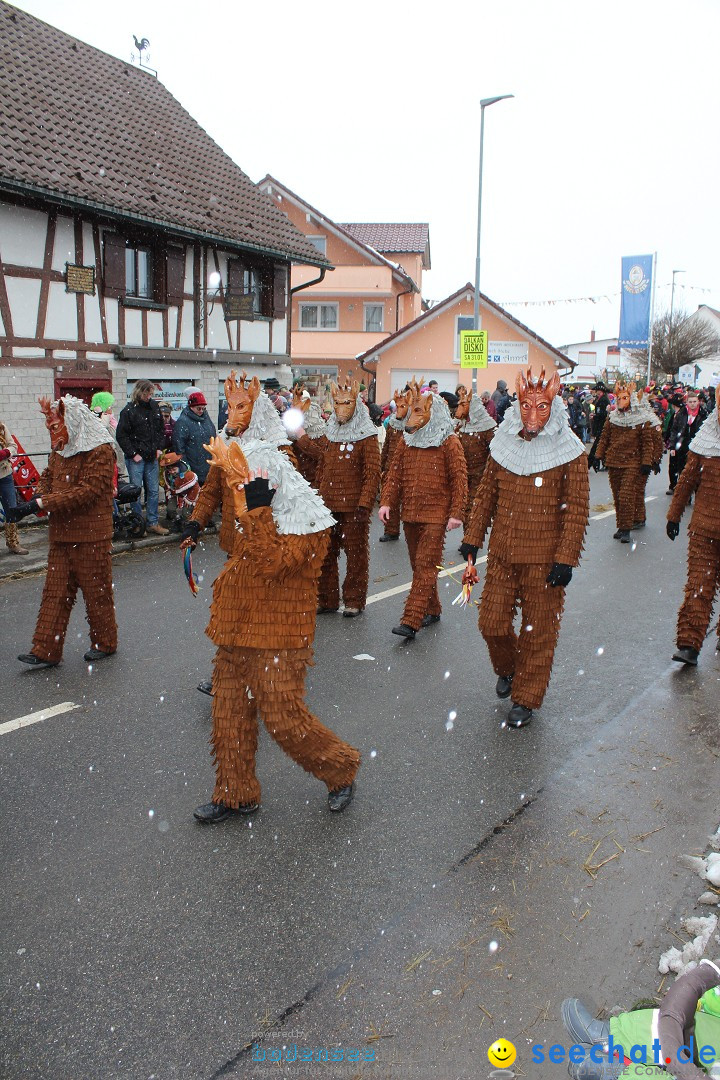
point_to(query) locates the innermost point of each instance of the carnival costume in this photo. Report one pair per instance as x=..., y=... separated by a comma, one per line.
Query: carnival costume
x=701, y=477
x=428, y=478
x=262, y=620
x=77, y=491
x=314, y=427
x=658, y=448
x=393, y=438
x=535, y=493
x=347, y=480
x=476, y=431
x=627, y=448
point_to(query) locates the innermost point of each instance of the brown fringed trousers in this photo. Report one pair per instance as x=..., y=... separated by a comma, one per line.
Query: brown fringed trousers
x=528, y=656
x=353, y=537
x=425, y=547
x=72, y=566
x=624, y=484
x=703, y=581
x=276, y=679
x=640, y=513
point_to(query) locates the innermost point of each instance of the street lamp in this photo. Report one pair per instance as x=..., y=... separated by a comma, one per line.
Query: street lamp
x=671, y=335
x=476, y=310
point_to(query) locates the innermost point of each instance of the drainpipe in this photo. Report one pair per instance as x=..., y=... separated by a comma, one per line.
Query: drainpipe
x=371, y=387
x=298, y=288
x=397, y=306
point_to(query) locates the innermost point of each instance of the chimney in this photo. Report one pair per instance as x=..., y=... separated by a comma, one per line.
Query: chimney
x=592, y=335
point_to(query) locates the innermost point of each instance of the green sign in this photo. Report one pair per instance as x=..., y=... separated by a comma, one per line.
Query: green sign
x=473, y=348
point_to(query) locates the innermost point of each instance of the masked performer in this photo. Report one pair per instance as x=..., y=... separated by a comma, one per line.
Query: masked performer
x=77, y=491
x=701, y=477
x=314, y=428
x=393, y=438
x=428, y=478
x=476, y=430
x=658, y=447
x=347, y=480
x=251, y=417
x=262, y=620
x=626, y=446
x=535, y=492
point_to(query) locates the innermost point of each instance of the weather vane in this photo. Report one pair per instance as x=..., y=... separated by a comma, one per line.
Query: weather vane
x=141, y=47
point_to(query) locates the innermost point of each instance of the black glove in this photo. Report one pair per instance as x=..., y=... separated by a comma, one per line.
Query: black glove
x=191, y=531
x=469, y=549
x=17, y=513
x=673, y=529
x=656, y=468
x=645, y=470
x=591, y=462
x=258, y=493
x=561, y=574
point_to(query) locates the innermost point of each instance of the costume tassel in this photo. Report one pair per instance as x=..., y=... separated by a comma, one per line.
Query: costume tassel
x=187, y=563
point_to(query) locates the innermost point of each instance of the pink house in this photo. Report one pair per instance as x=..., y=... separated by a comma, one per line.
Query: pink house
x=373, y=290
x=429, y=346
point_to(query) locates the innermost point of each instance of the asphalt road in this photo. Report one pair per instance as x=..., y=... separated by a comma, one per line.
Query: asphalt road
x=139, y=944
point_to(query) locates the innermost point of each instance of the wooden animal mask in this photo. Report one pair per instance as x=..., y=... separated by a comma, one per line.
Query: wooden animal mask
x=241, y=400
x=55, y=422
x=535, y=398
x=402, y=404
x=230, y=458
x=420, y=408
x=298, y=401
x=622, y=391
x=464, y=398
x=344, y=398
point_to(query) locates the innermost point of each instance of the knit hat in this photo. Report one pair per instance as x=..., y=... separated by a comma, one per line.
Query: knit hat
x=102, y=401
x=196, y=398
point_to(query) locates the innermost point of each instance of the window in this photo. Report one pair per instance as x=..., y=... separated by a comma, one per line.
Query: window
x=320, y=242
x=139, y=273
x=255, y=288
x=318, y=317
x=464, y=322
x=374, y=317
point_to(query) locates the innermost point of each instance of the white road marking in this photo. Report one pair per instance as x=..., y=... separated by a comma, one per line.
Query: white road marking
x=36, y=717
x=610, y=513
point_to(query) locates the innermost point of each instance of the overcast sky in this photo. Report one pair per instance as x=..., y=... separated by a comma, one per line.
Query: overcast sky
x=370, y=112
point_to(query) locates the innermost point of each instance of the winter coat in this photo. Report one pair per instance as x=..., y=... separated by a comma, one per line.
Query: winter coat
x=683, y=431
x=600, y=415
x=502, y=404
x=141, y=430
x=189, y=434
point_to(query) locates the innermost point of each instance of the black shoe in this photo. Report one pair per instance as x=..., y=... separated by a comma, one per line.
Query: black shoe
x=404, y=631
x=325, y=610
x=96, y=654
x=205, y=687
x=34, y=661
x=623, y=535
x=503, y=686
x=428, y=620
x=211, y=813
x=670, y=491
x=617, y=535
x=581, y=1025
x=338, y=800
x=351, y=612
x=519, y=716
x=387, y=537
x=639, y=525
x=686, y=655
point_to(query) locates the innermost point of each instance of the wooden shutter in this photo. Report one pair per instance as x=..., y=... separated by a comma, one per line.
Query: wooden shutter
x=175, y=275
x=236, y=277
x=113, y=265
x=279, y=292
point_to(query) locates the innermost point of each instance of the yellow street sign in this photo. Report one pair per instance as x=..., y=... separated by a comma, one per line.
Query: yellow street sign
x=473, y=348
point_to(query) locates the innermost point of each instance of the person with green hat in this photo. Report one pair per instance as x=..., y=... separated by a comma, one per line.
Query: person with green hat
x=101, y=404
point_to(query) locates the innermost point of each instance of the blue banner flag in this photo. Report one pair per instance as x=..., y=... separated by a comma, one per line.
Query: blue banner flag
x=635, y=303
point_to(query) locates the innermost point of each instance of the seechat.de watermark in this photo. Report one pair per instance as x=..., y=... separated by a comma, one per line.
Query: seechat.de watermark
x=611, y=1053
x=293, y=1052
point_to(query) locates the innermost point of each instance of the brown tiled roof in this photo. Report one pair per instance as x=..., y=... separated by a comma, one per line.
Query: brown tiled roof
x=78, y=124
x=391, y=237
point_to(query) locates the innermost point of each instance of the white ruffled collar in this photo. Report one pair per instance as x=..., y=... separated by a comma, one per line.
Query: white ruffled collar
x=358, y=427
x=555, y=445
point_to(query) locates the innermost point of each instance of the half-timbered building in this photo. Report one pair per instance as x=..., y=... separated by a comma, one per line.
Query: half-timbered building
x=131, y=245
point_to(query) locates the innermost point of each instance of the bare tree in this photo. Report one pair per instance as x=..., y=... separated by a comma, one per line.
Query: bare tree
x=678, y=339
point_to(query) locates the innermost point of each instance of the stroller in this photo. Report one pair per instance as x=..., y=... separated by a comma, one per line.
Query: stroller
x=127, y=523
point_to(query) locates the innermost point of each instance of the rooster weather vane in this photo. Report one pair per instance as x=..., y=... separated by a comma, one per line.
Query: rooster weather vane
x=141, y=47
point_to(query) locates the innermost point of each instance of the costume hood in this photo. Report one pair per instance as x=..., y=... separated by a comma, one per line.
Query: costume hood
x=707, y=441
x=313, y=422
x=397, y=425
x=648, y=413
x=479, y=419
x=555, y=445
x=358, y=427
x=634, y=417
x=85, y=431
x=297, y=509
x=265, y=425
x=437, y=429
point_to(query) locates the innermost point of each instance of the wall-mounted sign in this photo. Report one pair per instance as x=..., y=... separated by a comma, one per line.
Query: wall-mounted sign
x=508, y=352
x=80, y=279
x=473, y=348
x=239, y=306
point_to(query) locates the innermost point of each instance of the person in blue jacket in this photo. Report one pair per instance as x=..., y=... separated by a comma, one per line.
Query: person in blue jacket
x=192, y=430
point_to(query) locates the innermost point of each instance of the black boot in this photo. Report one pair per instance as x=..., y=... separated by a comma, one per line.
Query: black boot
x=581, y=1025
x=205, y=687
x=428, y=620
x=93, y=655
x=387, y=537
x=211, y=813
x=503, y=686
x=623, y=535
x=519, y=716
x=686, y=655
x=404, y=631
x=35, y=661
x=339, y=799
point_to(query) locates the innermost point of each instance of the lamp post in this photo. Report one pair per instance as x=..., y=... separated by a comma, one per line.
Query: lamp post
x=671, y=334
x=476, y=309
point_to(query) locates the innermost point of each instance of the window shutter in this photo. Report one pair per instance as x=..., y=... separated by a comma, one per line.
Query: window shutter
x=236, y=277
x=113, y=265
x=279, y=292
x=175, y=275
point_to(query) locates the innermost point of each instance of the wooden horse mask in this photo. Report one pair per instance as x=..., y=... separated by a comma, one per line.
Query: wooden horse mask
x=241, y=400
x=535, y=398
x=419, y=409
x=623, y=392
x=55, y=422
x=344, y=398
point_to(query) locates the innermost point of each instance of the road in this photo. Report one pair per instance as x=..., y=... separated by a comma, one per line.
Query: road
x=458, y=899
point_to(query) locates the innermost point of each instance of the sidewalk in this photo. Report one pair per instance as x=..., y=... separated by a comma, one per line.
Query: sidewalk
x=35, y=539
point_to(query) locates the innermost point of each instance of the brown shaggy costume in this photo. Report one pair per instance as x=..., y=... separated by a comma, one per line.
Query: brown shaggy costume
x=627, y=446
x=77, y=491
x=393, y=439
x=701, y=477
x=476, y=432
x=536, y=496
x=262, y=619
x=428, y=478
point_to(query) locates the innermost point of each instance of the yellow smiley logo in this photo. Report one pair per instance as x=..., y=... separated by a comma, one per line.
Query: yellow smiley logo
x=502, y=1053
